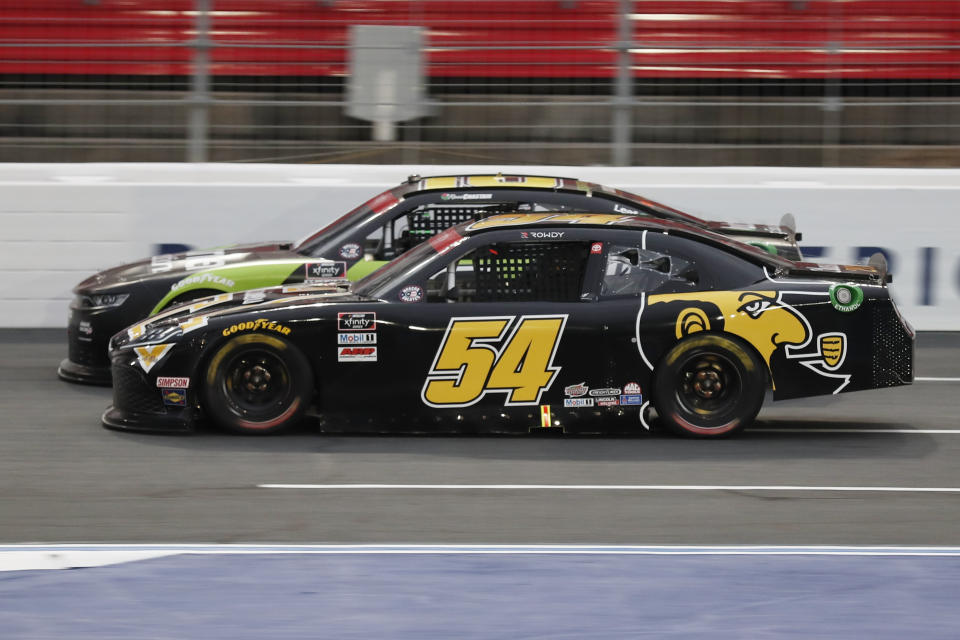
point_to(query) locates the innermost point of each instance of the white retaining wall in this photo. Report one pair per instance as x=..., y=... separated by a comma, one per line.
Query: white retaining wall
x=61, y=222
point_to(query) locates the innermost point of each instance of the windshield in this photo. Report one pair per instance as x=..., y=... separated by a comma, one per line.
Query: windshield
x=376, y=205
x=410, y=261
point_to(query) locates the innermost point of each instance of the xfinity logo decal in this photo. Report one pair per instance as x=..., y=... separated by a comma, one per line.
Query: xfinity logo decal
x=541, y=235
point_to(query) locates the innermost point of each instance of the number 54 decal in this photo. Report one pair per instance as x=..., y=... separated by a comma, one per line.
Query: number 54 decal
x=477, y=356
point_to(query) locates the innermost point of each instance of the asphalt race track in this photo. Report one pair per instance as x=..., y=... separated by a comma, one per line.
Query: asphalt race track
x=809, y=473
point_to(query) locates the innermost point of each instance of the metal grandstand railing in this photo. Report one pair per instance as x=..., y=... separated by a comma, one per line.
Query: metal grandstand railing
x=662, y=82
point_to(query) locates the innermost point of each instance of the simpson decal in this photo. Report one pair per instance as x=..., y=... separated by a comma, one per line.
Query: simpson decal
x=501, y=354
x=173, y=383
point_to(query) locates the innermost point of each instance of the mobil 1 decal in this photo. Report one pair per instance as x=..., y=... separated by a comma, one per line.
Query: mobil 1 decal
x=508, y=355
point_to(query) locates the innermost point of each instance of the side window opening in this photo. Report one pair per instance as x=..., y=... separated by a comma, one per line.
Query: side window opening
x=514, y=272
x=630, y=271
x=427, y=220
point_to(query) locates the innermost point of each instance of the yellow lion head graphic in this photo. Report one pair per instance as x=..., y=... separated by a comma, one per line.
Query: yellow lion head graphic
x=759, y=317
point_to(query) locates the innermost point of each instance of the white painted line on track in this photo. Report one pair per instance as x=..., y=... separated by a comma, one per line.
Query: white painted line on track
x=838, y=430
x=928, y=379
x=610, y=487
x=24, y=557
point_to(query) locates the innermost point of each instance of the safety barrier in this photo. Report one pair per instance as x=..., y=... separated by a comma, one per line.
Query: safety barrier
x=59, y=223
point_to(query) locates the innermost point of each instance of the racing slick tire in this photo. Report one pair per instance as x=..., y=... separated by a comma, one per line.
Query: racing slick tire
x=257, y=384
x=709, y=386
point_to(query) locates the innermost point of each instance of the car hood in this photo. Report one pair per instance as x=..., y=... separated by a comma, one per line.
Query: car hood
x=173, y=266
x=196, y=313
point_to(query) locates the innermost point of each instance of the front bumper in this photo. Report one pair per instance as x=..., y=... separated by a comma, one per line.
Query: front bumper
x=120, y=420
x=138, y=404
x=88, y=334
x=71, y=371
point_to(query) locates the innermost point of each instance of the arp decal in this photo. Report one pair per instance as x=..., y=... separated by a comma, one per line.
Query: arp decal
x=762, y=318
x=151, y=355
x=356, y=354
x=502, y=354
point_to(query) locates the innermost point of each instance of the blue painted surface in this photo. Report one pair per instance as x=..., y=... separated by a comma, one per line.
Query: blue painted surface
x=488, y=596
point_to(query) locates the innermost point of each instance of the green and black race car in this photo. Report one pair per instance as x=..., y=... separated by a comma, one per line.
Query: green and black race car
x=579, y=322
x=354, y=245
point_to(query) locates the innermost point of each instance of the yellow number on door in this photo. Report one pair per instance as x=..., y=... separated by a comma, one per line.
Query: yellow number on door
x=474, y=358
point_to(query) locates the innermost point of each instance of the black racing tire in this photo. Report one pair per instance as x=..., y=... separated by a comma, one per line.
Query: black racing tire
x=709, y=385
x=257, y=384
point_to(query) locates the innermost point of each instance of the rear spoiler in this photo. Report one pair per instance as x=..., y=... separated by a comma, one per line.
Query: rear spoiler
x=875, y=270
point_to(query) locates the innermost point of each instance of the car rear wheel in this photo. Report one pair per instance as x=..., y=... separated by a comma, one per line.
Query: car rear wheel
x=257, y=384
x=708, y=386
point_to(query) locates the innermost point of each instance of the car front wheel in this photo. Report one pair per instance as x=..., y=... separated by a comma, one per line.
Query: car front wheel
x=257, y=384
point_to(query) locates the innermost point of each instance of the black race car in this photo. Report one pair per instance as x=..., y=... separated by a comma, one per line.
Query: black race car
x=353, y=246
x=578, y=322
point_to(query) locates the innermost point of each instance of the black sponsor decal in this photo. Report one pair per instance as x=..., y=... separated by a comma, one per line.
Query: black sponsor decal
x=357, y=321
